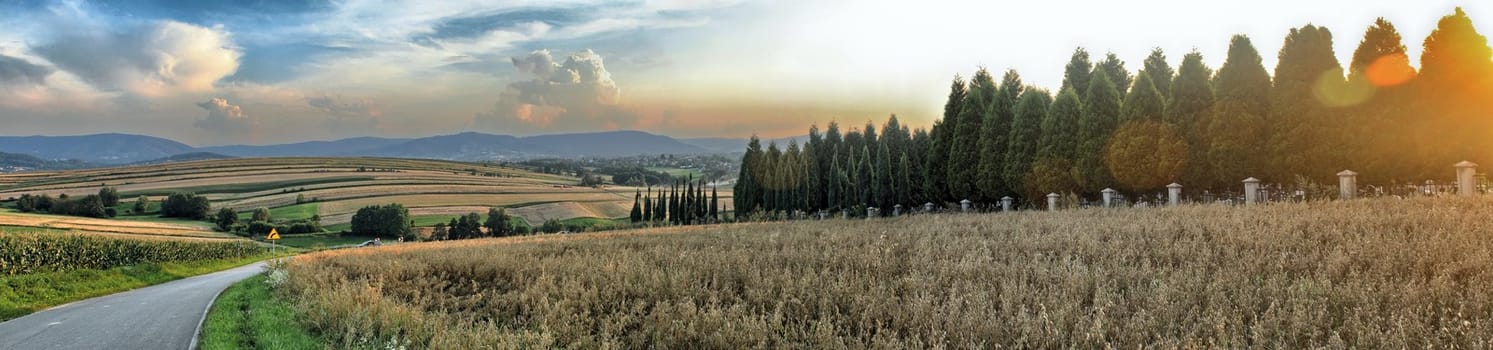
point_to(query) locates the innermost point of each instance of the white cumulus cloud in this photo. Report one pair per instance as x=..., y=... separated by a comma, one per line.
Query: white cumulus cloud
x=149, y=60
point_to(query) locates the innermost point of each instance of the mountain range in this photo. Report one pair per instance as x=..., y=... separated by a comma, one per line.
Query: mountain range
x=119, y=149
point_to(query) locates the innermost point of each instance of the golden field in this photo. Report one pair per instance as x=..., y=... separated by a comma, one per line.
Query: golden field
x=1361, y=274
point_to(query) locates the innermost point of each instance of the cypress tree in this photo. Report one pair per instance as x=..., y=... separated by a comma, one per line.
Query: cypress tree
x=1237, y=130
x=1302, y=137
x=921, y=144
x=1057, y=148
x=1160, y=72
x=747, y=192
x=1145, y=154
x=964, y=152
x=1101, y=113
x=936, y=164
x=818, y=165
x=1077, y=73
x=831, y=153
x=1188, y=112
x=1114, y=69
x=773, y=181
x=994, y=134
x=867, y=172
x=1380, y=70
x=648, y=206
x=1453, y=93
x=885, y=193
x=1026, y=133
x=637, y=208
x=715, y=204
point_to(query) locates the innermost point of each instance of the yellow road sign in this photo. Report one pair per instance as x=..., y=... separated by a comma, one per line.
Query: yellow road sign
x=273, y=235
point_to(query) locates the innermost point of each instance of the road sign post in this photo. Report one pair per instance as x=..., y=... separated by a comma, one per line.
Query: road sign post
x=272, y=237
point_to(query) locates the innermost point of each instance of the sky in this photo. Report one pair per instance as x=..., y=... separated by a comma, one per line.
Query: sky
x=216, y=72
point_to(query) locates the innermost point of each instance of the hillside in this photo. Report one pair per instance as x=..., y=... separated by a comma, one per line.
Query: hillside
x=335, y=188
x=98, y=148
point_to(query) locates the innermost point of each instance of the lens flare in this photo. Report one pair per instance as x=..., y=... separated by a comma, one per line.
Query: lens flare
x=1390, y=70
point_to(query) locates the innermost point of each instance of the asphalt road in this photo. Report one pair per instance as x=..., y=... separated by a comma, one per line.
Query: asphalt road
x=163, y=316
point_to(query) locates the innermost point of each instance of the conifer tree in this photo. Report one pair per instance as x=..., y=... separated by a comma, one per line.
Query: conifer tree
x=1077, y=73
x=1145, y=154
x=747, y=191
x=1026, y=133
x=964, y=152
x=1115, y=70
x=1237, y=131
x=1381, y=71
x=1057, y=149
x=994, y=134
x=936, y=159
x=1188, y=111
x=1454, y=93
x=1101, y=113
x=1302, y=112
x=1160, y=72
x=637, y=208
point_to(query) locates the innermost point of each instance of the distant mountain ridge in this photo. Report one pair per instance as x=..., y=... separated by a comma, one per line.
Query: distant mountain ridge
x=118, y=149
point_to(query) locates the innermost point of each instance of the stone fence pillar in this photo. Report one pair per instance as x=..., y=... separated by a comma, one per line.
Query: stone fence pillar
x=897, y=210
x=928, y=207
x=1466, y=178
x=964, y=206
x=1006, y=203
x=1251, y=191
x=1109, y=197
x=1347, y=184
x=1052, y=202
x=1174, y=194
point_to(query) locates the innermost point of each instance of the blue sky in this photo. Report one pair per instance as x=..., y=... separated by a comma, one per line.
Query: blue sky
x=220, y=72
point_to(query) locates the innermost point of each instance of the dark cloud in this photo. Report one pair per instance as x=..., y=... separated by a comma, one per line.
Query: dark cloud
x=576, y=94
x=224, y=118
x=18, y=71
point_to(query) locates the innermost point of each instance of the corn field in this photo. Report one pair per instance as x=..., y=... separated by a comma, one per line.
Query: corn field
x=1380, y=273
x=31, y=252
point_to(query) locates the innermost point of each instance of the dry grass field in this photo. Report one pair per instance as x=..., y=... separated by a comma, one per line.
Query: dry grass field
x=1361, y=274
x=107, y=226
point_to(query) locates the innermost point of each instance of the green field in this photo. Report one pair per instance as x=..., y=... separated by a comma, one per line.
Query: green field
x=680, y=172
x=294, y=212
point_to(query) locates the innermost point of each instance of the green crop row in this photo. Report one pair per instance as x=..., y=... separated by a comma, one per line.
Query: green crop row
x=43, y=252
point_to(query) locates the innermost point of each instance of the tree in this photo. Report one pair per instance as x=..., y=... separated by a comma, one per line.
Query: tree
x=935, y=171
x=1303, y=116
x=1114, y=69
x=1188, y=110
x=994, y=133
x=1077, y=73
x=715, y=204
x=1160, y=72
x=1454, y=86
x=748, y=189
x=964, y=152
x=226, y=219
x=648, y=206
x=141, y=204
x=261, y=214
x=1145, y=154
x=1024, y=139
x=1237, y=130
x=1380, y=71
x=1057, y=148
x=391, y=220
x=109, y=196
x=1101, y=113
x=185, y=205
x=637, y=208
x=497, y=221
x=440, y=233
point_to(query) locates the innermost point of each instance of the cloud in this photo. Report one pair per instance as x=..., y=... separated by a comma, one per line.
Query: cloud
x=577, y=94
x=224, y=118
x=21, y=72
x=150, y=60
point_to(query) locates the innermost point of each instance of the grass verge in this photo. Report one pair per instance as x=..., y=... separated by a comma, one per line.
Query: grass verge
x=249, y=315
x=21, y=295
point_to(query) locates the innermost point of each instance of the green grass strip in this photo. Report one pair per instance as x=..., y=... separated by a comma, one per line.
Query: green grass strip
x=249, y=315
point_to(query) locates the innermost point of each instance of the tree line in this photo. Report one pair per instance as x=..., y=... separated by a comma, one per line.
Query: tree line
x=684, y=202
x=1207, y=129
